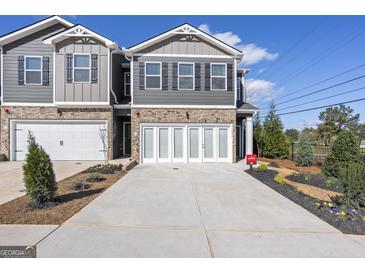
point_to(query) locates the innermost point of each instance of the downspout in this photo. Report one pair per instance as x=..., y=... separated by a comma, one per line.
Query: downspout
x=1, y=74
x=111, y=75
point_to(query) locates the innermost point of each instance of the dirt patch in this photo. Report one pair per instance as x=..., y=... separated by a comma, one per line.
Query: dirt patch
x=292, y=165
x=316, y=180
x=67, y=202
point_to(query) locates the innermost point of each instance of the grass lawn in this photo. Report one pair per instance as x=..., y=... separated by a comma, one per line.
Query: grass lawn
x=67, y=201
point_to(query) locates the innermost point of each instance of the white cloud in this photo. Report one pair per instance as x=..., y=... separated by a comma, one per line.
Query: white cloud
x=254, y=53
x=259, y=91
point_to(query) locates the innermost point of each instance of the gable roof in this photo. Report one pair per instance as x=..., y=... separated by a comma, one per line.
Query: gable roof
x=78, y=31
x=35, y=27
x=188, y=30
x=247, y=108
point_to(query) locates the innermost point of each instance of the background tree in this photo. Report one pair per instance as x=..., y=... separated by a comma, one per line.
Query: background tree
x=274, y=144
x=257, y=133
x=344, y=151
x=304, y=153
x=334, y=120
x=292, y=134
x=311, y=133
x=39, y=177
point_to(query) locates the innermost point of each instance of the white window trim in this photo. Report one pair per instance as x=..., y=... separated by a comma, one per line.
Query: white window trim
x=25, y=70
x=81, y=68
x=185, y=76
x=124, y=83
x=211, y=76
x=238, y=88
x=145, y=75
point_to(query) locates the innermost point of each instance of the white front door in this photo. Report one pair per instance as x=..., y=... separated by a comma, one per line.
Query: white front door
x=188, y=143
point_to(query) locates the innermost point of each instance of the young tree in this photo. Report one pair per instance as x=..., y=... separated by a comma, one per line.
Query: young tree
x=292, y=134
x=345, y=150
x=334, y=120
x=257, y=133
x=304, y=154
x=39, y=177
x=274, y=144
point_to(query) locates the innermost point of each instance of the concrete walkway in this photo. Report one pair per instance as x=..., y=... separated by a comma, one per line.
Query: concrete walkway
x=211, y=210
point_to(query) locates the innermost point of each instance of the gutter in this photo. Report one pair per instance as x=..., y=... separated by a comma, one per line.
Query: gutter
x=1, y=74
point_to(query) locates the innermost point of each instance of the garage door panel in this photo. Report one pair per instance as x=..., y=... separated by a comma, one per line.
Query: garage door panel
x=61, y=140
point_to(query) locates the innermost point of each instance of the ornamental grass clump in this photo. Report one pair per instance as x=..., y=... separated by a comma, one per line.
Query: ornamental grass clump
x=38, y=174
x=280, y=180
x=262, y=167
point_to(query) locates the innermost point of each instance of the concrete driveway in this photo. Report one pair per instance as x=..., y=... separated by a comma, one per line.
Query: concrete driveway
x=212, y=210
x=11, y=176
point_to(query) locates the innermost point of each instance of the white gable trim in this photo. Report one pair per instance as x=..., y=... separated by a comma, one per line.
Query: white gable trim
x=188, y=30
x=78, y=31
x=11, y=37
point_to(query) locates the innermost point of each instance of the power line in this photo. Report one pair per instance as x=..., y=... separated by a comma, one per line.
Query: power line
x=320, y=90
x=324, y=98
x=326, y=106
x=319, y=58
x=322, y=81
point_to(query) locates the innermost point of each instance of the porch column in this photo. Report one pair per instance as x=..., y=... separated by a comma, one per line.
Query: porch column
x=249, y=135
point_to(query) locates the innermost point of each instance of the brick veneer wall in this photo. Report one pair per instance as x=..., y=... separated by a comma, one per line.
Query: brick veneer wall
x=52, y=113
x=150, y=115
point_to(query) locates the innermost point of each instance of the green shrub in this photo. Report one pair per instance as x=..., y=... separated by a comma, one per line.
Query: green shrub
x=262, y=167
x=345, y=150
x=94, y=178
x=304, y=154
x=307, y=176
x=330, y=181
x=38, y=174
x=104, y=169
x=280, y=180
x=80, y=186
x=352, y=179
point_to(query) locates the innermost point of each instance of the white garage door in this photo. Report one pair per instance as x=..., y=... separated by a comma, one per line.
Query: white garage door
x=186, y=143
x=71, y=140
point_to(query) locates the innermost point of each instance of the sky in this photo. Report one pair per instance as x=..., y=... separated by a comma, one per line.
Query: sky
x=287, y=55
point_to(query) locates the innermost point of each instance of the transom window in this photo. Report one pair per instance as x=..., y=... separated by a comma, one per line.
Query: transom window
x=82, y=68
x=186, y=76
x=218, y=76
x=153, y=75
x=127, y=84
x=33, y=70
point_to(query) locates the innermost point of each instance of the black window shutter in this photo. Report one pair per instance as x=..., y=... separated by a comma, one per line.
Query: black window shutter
x=141, y=75
x=20, y=70
x=207, y=76
x=45, y=70
x=174, y=76
x=165, y=77
x=94, y=68
x=197, y=76
x=69, y=66
x=229, y=77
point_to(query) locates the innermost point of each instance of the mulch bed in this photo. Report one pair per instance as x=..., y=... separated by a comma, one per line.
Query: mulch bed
x=309, y=203
x=292, y=165
x=315, y=180
x=67, y=201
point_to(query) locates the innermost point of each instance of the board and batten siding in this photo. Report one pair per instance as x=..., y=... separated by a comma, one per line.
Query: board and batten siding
x=81, y=92
x=30, y=45
x=182, y=44
x=171, y=96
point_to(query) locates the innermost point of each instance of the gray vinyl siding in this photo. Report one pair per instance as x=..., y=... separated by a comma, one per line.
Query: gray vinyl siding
x=81, y=92
x=181, y=97
x=30, y=45
x=182, y=44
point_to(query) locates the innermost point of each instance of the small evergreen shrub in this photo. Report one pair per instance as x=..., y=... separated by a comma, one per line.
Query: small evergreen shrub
x=80, y=186
x=352, y=179
x=280, y=180
x=262, y=167
x=38, y=174
x=104, y=169
x=307, y=176
x=94, y=178
x=344, y=151
x=304, y=155
x=330, y=181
